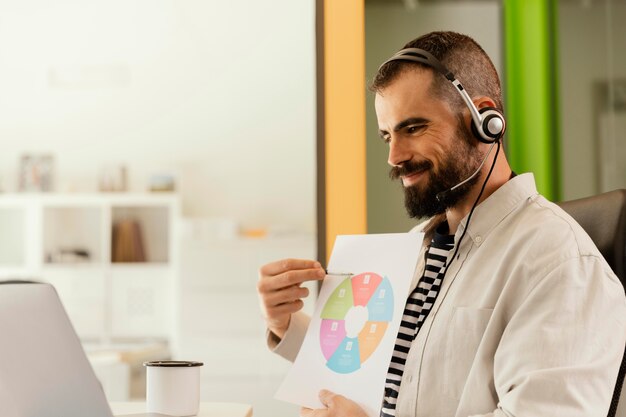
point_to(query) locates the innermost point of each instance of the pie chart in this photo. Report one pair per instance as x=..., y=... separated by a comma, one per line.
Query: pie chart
x=354, y=320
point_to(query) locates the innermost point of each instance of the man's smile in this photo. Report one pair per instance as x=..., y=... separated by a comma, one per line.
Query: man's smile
x=413, y=178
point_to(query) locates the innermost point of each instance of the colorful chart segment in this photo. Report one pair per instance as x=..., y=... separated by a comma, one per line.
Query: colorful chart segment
x=345, y=348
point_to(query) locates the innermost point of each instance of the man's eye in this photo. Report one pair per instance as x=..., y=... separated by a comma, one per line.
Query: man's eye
x=414, y=129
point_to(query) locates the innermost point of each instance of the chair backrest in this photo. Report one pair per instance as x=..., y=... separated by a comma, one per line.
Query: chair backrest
x=604, y=219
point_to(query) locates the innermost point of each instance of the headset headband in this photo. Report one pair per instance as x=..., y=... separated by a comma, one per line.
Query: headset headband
x=424, y=57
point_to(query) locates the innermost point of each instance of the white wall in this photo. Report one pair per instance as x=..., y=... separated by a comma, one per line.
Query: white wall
x=220, y=93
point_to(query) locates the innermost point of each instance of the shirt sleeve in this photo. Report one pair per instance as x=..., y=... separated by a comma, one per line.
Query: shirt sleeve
x=560, y=353
x=289, y=346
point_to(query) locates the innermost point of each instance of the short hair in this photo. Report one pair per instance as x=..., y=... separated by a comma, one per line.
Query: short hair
x=461, y=55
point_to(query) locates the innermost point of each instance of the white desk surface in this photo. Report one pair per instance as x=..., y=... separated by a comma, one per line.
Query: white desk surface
x=206, y=409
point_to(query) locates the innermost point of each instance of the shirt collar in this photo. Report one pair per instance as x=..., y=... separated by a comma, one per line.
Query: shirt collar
x=489, y=213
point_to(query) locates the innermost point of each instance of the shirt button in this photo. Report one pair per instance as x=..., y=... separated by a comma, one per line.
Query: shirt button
x=478, y=239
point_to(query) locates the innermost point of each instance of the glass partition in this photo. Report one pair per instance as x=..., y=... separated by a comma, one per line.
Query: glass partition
x=592, y=65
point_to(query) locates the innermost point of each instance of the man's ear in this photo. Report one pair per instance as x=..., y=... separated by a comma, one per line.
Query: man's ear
x=483, y=101
x=493, y=123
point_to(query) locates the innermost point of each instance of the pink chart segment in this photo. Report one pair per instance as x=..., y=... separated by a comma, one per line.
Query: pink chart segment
x=332, y=334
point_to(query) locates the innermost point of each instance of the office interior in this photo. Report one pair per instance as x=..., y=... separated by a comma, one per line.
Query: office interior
x=156, y=153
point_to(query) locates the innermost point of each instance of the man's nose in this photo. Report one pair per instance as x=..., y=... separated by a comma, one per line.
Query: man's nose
x=398, y=153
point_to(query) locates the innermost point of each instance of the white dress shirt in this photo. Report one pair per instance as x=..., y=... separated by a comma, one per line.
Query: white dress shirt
x=530, y=320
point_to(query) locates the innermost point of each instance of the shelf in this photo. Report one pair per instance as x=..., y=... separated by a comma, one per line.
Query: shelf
x=139, y=266
x=44, y=236
x=72, y=229
x=12, y=250
x=10, y=272
x=141, y=303
x=88, y=199
x=69, y=266
x=81, y=291
x=140, y=232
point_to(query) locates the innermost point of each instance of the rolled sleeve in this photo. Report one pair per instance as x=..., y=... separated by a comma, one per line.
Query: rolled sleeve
x=289, y=346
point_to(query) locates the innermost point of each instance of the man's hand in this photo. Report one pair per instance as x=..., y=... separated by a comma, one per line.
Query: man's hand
x=336, y=406
x=280, y=292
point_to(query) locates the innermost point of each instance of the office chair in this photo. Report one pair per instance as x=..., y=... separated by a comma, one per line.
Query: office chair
x=604, y=219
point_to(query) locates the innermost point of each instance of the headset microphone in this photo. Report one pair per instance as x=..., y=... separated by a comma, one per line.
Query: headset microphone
x=441, y=196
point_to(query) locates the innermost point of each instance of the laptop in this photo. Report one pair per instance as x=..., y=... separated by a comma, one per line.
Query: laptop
x=44, y=371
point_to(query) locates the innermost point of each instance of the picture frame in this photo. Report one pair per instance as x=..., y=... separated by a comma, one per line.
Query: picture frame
x=36, y=173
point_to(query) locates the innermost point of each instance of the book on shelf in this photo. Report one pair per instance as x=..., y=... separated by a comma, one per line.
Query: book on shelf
x=127, y=242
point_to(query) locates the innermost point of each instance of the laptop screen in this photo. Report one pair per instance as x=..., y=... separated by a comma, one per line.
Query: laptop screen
x=43, y=369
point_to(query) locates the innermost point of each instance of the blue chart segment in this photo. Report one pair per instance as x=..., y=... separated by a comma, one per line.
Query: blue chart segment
x=354, y=321
x=346, y=358
x=380, y=305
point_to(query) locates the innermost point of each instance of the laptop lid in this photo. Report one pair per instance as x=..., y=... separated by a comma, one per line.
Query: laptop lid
x=44, y=371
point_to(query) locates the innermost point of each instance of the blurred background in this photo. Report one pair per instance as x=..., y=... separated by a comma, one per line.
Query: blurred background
x=156, y=153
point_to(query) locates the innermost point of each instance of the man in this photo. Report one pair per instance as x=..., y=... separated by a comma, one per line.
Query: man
x=513, y=311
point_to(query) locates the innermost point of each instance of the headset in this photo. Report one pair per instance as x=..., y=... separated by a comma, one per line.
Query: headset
x=488, y=124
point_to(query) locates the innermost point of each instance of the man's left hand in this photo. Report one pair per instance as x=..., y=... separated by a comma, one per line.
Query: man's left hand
x=336, y=406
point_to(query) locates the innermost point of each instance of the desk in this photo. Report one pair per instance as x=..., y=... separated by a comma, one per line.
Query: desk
x=206, y=409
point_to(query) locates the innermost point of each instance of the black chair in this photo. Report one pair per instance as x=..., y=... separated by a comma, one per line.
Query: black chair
x=604, y=218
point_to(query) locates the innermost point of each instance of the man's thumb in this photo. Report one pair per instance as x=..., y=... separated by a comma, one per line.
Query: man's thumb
x=327, y=397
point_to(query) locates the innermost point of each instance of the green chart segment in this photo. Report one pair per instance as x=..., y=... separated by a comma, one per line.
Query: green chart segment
x=344, y=344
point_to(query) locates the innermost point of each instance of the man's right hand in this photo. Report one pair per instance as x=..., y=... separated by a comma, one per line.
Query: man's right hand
x=280, y=291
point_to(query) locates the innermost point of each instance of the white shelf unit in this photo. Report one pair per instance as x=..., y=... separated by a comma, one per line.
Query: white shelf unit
x=107, y=301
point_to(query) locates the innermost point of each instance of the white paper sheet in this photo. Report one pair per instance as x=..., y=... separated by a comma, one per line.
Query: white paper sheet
x=349, y=343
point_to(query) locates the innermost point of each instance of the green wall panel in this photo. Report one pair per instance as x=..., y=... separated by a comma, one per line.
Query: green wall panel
x=531, y=87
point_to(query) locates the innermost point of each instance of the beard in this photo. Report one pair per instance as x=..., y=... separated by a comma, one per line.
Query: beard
x=462, y=160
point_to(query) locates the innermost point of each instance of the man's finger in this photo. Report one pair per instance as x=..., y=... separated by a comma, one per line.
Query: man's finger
x=285, y=295
x=307, y=412
x=279, y=267
x=327, y=397
x=290, y=278
x=271, y=283
x=286, y=308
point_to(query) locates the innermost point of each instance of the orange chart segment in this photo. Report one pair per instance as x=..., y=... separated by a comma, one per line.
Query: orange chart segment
x=370, y=336
x=363, y=286
x=340, y=302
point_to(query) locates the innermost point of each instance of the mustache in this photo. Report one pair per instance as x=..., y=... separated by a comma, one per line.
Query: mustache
x=408, y=168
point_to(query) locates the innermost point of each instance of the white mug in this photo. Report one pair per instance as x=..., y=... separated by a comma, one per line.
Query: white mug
x=173, y=387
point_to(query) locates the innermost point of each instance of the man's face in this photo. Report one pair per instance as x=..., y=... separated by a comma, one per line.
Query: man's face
x=430, y=147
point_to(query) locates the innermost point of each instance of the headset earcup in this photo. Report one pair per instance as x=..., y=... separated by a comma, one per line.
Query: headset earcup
x=493, y=125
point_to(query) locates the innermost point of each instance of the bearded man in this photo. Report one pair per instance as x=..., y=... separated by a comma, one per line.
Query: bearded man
x=513, y=311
